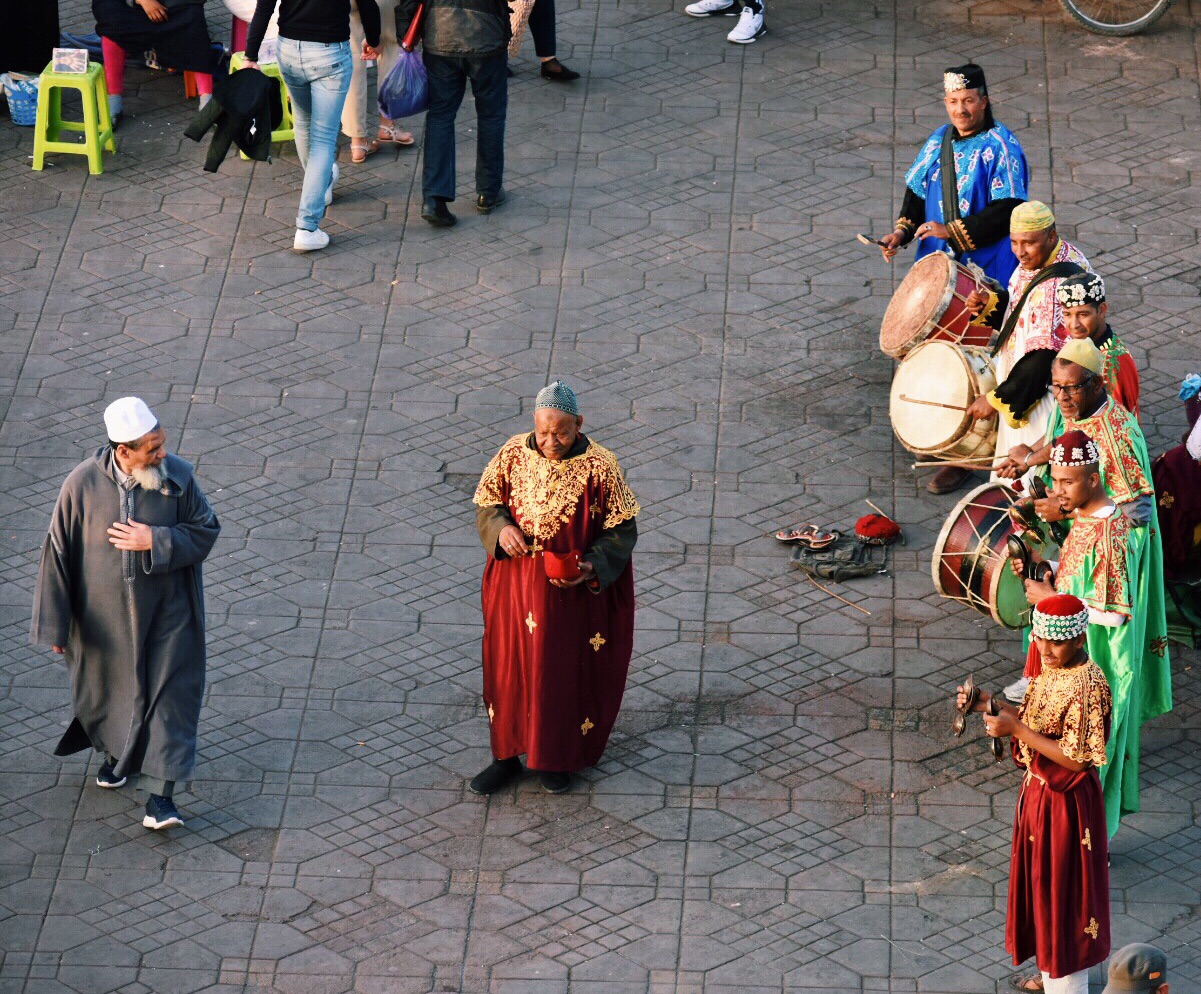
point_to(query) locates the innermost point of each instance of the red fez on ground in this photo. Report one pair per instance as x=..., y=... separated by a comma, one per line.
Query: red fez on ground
x=877, y=529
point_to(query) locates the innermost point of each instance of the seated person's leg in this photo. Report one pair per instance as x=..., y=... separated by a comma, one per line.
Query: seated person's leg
x=204, y=87
x=114, y=74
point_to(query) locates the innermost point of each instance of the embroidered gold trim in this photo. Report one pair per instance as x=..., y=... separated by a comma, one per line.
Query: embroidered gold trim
x=1088, y=839
x=993, y=300
x=491, y=713
x=1099, y=545
x=596, y=642
x=1093, y=928
x=530, y=623
x=587, y=726
x=1166, y=500
x=904, y=224
x=1069, y=705
x=543, y=494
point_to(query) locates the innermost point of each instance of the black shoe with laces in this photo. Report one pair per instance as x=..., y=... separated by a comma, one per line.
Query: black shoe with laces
x=106, y=778
x=161, y=813
x=500, y=773
x=555, y=783
x=554, y=69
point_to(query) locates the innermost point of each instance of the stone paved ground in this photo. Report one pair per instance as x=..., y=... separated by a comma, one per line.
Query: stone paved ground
x=781, y=807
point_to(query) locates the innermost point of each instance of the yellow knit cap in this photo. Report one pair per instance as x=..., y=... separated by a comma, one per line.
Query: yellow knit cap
x=1083, y=352
x=1031, y=216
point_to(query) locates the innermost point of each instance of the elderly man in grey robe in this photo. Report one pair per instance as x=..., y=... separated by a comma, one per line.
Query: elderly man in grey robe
x=119, y=594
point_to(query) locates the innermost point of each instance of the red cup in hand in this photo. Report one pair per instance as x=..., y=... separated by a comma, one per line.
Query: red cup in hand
x=561, y=565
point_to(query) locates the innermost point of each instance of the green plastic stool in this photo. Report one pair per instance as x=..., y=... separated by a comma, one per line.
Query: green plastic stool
x=285, y=132
x=96, y=126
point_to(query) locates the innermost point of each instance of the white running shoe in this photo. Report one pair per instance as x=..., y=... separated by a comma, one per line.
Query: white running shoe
x=309, y=241
x=749, y=27
x=329, y=190
x=712, y=8
x=1016, y=690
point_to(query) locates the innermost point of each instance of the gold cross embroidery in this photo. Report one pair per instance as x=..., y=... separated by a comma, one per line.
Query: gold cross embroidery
x=1088, y=839
x=587, y=726
x=536, y=547
x=1093, y=928
x=530, y=623
x=594, y=510
x=596, y=642
x=491, y=714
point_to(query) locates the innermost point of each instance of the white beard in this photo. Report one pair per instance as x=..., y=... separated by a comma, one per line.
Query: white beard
x=148, y=477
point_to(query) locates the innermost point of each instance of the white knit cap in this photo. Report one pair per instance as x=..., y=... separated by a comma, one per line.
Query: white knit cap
x=128, y=419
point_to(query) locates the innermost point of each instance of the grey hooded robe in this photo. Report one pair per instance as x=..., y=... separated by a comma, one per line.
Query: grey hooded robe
x=132, y=623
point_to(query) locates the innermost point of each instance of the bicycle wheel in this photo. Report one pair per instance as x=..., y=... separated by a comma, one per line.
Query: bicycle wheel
x=1116, y=17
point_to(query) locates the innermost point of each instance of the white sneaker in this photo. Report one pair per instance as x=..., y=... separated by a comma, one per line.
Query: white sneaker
x=309, y=241
x=712, y=8
x=1016, y=690
x=748, y=29
x=329, y=190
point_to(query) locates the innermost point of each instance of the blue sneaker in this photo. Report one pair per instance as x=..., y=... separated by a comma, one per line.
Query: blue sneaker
x=161, y=813
x=106, y=778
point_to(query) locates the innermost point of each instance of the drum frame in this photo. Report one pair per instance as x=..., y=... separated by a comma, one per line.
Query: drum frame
x=983, y=550
x=950, y=292
x=967, y=425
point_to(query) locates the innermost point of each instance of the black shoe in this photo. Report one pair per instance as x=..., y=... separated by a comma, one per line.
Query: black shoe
x=501, y=772
x=105, y=777
x=161, y=813
x=555, y=783
x=486, y=204
x=554, y=69
x=436, y=212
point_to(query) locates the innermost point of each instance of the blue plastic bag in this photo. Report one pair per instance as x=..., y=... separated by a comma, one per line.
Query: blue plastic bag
x=405, y=90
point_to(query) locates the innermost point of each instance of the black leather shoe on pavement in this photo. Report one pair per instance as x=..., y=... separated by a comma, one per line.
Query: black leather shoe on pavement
x=501, y=772
x=486, y=204
x=436, y=212
x=554, y=69
x=555, y=783
x=106, y=778
x=161, y=813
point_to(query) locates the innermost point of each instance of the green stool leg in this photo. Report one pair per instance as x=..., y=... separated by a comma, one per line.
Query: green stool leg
x=41, y=130
x=91, y=131
x=106, y=119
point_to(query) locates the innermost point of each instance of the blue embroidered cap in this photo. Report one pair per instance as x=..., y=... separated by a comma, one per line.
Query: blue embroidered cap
x=559, y=396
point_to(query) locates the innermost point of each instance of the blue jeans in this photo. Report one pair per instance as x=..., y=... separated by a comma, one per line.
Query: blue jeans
x=318, y=76
x=448, y=75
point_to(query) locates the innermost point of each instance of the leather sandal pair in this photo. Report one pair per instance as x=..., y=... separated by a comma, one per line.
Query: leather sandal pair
x=810, y=536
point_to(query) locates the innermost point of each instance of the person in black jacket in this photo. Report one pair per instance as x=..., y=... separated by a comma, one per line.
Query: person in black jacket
x=463, y=40
x=246, y=109
x=315, y=62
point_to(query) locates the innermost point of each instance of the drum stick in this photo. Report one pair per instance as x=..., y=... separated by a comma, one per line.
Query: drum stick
x=836, y=597
x=981, y=463
x=932, y=403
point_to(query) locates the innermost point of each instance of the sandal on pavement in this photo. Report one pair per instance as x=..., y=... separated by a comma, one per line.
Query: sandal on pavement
x=395, y=135
x=1021, y=982
x=360, y=148
x=807, y=535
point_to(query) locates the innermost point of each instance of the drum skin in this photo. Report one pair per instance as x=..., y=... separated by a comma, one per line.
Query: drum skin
x=939, y=373
x=931, y=303
x=971, y=562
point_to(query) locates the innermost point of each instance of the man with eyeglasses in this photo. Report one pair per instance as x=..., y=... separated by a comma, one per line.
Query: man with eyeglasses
x=1081, y=402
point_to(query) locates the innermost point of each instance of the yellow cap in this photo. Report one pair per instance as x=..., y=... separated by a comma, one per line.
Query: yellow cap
x=1033, y=215
x=1083, y=352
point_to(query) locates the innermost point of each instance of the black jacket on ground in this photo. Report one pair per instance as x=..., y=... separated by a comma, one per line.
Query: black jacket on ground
x=245, y=109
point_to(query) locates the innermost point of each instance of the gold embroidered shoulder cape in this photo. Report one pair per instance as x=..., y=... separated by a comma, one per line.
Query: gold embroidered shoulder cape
x=543, y=493
x=1069, y=705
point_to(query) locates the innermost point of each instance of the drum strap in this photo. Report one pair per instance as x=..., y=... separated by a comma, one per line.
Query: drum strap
x=946, y=168
x=1054, y=271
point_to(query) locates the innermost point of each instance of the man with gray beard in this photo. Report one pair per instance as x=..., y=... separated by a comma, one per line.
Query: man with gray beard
x=119, y=594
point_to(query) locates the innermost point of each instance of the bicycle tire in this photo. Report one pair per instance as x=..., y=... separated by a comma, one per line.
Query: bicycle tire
x=1118, y=30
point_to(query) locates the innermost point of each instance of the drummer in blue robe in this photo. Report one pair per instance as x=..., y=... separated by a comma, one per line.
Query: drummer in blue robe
x=991, y=177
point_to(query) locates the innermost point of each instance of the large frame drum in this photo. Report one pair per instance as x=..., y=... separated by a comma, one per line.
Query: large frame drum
x=931, y=391
x=971, y=561
x=931, y=303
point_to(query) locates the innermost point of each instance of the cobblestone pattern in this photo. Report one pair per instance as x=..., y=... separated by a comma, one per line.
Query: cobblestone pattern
x=781, y=807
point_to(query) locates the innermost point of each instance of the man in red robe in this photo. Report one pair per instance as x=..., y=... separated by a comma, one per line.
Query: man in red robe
x=556, y=645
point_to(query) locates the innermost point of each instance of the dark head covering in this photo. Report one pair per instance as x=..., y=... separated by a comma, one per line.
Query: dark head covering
x=1137, y=967
x=965, y=77
x=1083, y=288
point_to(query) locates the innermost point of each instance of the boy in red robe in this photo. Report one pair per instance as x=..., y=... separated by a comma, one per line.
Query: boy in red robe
x=1058, y=908
x=556, y=647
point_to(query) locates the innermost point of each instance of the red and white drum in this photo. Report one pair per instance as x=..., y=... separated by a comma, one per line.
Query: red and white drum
x=931, y=303
x=931, y=391
x=971, y=561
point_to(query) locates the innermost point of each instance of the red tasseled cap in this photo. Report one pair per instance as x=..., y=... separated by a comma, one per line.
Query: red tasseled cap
x=877, y=529
x=1060, y=606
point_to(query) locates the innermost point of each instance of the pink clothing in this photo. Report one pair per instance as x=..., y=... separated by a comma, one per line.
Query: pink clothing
x=114, y=70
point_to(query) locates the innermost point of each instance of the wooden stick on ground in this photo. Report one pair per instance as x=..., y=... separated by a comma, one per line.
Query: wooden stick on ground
x=836, y=596
x=874, y=508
